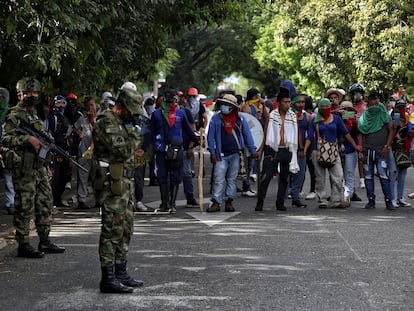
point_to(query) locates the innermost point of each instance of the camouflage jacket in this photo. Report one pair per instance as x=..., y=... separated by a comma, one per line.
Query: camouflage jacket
x=13, y=140
x=114, y=141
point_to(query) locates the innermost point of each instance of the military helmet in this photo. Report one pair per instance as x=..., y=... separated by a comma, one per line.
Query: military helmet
x=28, y=84
x=131, y=100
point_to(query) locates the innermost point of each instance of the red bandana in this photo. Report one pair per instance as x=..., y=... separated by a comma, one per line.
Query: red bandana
x=229, y=121
x=171, y=115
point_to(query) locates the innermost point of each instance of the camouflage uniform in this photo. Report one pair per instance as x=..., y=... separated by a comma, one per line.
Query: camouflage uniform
x=115, y=143
x=30, y=178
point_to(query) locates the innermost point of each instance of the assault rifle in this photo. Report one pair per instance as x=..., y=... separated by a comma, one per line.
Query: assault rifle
x=47, y=141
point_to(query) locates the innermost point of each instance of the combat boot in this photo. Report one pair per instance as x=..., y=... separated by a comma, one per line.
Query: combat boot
x=109, y=284
x=123, y=277
x=27, y=251
x=164, y=198
x=173, y=196
x=46, y=246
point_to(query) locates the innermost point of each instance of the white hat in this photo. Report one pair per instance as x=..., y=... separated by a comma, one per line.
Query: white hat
x=129, y=86
x=105, y=95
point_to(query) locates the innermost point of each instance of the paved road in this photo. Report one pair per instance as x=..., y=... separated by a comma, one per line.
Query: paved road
x=303, y=259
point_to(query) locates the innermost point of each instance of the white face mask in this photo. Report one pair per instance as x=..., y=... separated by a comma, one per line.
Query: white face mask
x=357, y=97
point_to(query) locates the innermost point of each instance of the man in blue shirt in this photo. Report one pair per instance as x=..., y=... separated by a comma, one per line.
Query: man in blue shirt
x=228, y=133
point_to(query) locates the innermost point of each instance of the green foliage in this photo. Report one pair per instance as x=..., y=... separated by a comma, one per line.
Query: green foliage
x=321, y=44
x=89, y=45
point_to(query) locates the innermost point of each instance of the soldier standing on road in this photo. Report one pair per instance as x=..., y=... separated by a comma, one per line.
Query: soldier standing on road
x=116, y=140
x=30, y=175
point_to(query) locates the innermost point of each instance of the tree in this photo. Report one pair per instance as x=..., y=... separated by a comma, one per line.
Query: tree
x=324, y=44
x=85, y=45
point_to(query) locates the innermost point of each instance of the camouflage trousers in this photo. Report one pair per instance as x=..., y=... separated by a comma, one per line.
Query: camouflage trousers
x=33, y=198
x=117, y=224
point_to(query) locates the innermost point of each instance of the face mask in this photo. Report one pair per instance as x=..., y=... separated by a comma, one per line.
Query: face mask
x=193, y=101
x=31, y=100
x=326, y=112
x=60, y=109
x=348, y=115
x=357, y=97
x=225, y=109
x=150, y=109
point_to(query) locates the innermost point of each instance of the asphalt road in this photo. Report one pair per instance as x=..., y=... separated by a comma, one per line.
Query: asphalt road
x=302, y=259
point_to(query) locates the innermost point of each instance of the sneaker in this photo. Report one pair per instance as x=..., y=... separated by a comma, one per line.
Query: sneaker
x=192, y=203
x=402, y=203
x=214, y=207
x=389, y=205
x=289, y=196
x=253, y=177
x=411, y=195
x=370, y=205
x=141, y=207
x=68, y=186
x=362, y=183
x=311, y=196
x=229, y=206
x=355, y=198
x=346, y=202
x=249, y=193
x=61, y=204
x=394, y=203
x=298, y=203
x=323, y=204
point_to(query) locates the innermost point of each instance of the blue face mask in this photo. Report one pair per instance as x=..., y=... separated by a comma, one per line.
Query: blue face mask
x=225, y=109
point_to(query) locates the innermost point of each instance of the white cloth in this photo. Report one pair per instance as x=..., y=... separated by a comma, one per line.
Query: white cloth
x=290, y=135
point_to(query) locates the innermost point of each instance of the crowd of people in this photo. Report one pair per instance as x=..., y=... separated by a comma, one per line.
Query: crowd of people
x=113, y=144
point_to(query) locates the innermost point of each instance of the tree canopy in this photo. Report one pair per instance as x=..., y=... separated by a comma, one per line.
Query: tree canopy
x=87, y=46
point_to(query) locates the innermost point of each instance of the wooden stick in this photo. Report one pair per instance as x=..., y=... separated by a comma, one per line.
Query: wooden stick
x=200, y=171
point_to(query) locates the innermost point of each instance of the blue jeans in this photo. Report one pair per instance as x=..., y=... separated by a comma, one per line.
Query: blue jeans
x=373, y=157
x=9, y=189
x=298, y=178
x=396, y=175
x=351, y=160
x=187, y=177
x=225, y=170
x=251, y=168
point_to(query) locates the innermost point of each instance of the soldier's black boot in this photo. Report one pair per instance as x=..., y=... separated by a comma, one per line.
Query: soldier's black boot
x=173, y=196
x=123, y=277
x=109, y=284
x=47, y=247
x=27, y=251
x=164, y=198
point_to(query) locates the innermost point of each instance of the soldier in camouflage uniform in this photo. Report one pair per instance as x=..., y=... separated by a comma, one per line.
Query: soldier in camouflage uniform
x=30, y=174
x=116, y=141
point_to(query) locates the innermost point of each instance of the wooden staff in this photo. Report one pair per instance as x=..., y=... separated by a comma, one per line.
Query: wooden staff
x=200, y=171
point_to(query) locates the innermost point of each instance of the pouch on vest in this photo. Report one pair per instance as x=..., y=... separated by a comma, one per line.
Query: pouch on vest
x=28, y=161
x=12, y=160
x=116, y=171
